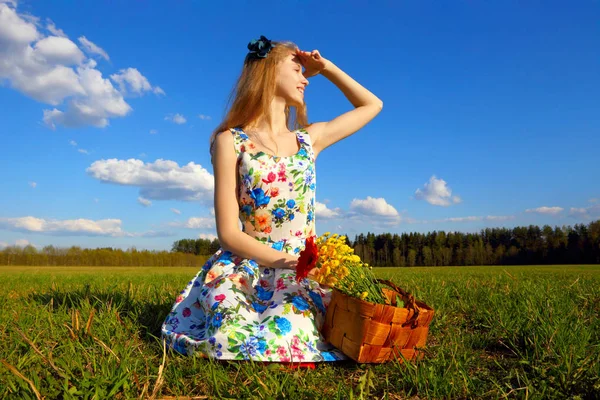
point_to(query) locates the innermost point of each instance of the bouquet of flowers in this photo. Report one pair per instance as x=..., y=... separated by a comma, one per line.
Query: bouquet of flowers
x=335, y=265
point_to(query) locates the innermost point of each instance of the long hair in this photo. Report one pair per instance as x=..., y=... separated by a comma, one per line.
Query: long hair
x=252, y=94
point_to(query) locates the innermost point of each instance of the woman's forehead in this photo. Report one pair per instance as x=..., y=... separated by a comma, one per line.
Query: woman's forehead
x=294, y=58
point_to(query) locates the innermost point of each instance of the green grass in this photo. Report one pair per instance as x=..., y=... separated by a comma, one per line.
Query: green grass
x=498, y=332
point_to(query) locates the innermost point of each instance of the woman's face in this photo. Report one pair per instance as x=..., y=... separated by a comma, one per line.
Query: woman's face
x=290, y=81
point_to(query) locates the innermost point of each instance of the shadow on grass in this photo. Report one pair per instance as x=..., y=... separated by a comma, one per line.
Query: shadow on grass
x=148, y=314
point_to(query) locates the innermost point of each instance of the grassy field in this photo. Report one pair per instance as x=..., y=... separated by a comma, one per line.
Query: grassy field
x=499, y=332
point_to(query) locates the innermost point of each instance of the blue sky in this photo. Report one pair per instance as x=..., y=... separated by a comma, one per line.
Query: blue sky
x=491, y=115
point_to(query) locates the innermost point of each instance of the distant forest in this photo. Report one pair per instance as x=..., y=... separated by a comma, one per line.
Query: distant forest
x=530, y=245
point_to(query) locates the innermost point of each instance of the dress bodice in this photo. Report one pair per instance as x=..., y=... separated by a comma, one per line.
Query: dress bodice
x=276, y=194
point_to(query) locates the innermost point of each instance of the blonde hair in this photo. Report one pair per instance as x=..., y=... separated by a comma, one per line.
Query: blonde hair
x=255, y=88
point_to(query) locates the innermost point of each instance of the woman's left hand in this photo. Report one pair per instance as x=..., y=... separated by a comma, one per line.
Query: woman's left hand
x=312, y=61
x=312, y=274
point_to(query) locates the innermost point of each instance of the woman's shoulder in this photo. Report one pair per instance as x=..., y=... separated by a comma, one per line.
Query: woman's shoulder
x=223, y=141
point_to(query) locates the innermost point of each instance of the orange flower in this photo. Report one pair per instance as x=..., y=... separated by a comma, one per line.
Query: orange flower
x=262, y=220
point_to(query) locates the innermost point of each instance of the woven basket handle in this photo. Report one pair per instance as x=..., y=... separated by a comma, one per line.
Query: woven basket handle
x=411, y=300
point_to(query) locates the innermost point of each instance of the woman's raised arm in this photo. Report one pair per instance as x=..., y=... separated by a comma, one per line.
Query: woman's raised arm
x=367, y=105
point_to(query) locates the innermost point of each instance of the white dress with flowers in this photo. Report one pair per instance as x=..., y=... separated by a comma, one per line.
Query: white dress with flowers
x=236, y=309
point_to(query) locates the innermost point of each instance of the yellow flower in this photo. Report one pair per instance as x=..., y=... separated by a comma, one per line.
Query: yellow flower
x=331, y=281
x=364, y=295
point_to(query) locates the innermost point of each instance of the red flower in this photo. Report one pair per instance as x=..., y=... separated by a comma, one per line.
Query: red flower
x=220, y=297
x=270, y=178
x=308, y=259
x=187, y=312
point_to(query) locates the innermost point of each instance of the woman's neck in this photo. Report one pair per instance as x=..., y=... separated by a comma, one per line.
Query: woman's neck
x=278, y=123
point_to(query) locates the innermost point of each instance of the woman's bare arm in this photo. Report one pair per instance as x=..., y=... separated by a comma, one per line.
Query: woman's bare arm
x=231, y=238
x=366, y=104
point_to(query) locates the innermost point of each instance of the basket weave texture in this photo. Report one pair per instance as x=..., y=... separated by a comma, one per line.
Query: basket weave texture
x=377, y=333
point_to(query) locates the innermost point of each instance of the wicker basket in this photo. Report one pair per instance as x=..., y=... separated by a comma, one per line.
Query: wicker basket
x=376, y=333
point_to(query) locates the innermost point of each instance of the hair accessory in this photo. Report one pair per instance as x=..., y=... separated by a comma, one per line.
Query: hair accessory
x=259, y=48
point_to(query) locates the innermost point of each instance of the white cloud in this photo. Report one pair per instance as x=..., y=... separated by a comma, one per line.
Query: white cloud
x=209, y=236
x=83, y=151
x=374, y=207
x=143, y=155
x=131, y=81
x=176, y=211
x=160, y=180
x=73, y=143
x=177, y=118
x=50, y=68
x=92, y=48
x=199, y=223
x=153, y=131
x=74, y=227
x=499, y=217
x=372, y=210
x=101, y=102
x=437, y=193
x=474, y=218
x=59, y=50
x=96, y=200
x=545, y=210
x=593, y=201
x=144, y=202
x=105, y=227
x=212, y=211
x=462, y=219
x=53, y=29
x=323, y=212
x=19, y=243
x=205, y=117
x=195, y=223
x=24, y=243
x=586, y=213
x=33, y=184
x=11, y=2
x=13, y=28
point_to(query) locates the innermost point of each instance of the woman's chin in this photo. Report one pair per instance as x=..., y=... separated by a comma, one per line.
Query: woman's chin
x=295, y=103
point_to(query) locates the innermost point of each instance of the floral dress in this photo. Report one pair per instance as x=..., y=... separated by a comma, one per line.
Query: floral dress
x=236, y=309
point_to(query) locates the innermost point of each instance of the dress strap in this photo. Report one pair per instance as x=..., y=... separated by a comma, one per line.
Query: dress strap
x=306, y=141
x=239, y=138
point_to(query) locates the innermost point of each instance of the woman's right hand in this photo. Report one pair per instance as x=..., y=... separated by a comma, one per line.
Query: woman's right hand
x=289, y=261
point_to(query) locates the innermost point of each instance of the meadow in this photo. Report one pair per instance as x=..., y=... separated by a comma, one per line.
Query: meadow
x=530, y=332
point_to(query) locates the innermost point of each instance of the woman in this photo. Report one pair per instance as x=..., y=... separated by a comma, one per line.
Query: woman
x=245, y=303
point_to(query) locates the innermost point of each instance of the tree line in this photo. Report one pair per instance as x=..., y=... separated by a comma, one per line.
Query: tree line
x=106, y=256
x=531, y=245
